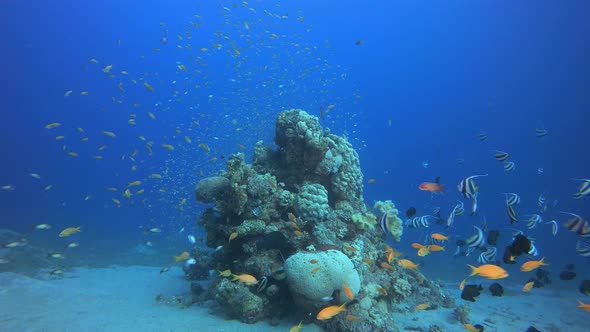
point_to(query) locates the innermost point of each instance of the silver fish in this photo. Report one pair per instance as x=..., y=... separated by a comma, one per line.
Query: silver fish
x=554, y=227
x=467, y=186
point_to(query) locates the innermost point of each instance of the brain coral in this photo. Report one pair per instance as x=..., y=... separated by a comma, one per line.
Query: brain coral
x=211, y=188
x=334, y=270
x=312, y=203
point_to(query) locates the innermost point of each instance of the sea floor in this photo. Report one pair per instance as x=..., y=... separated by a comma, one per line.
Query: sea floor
x=139, y=298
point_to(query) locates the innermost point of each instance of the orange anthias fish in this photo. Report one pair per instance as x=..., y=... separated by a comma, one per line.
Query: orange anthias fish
x=423, y=306
x=471, y=328
x=331, y=311
x=348, y=292
x=583, y=305
x=431, y=187
x=416, y=245
x=408, y=264
x=531, y=265
x=527, y=287
x=434, y=247
x=439, y=237
x=489, y=271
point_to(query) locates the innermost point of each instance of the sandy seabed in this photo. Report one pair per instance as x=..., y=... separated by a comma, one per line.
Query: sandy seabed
x=124, y=299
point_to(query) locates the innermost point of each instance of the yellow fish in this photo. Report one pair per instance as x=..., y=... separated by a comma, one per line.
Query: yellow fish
x=168, y=146
x=225, y=273
x=462, y=284
x=245, y=278
x=109, y=134
x=232, y=236
x=148, y=86
x=52, y=125
x=205, y=147
x=134, y=183
x=296, y=328
x=423, y=306
x=155, y=176
x=151, y=115
x=127, y=193
x=69, y=231
x=182, y=257
x=424, y=251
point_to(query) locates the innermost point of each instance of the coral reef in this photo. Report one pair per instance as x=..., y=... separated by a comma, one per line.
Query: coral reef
x=294, y=225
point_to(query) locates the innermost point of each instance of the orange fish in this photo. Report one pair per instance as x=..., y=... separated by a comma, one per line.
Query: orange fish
x=408, y=264
x=489, y=271
x=434, y=247
x=348, y=292
x=313, y=261
x=387, y=266
x=297, y=233
x=417, y=245
x=382, y=291
x=352, y=317
x=531, y=265
x=368, y=261
x=315, y=270
x=583, y=305
x=431, y=187
x=527, y=287
x=439, y=237
x=331, y=311
x=471, y=328
x=423, y=306
x=245, y=278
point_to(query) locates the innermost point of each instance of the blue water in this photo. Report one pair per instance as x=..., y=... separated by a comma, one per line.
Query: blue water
x=424, y=81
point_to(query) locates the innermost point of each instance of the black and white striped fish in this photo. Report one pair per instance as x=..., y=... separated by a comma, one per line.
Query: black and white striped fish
x=541, y=201
x=383, y=222
x=509, y=166
x=487, y=255
x=476, y=240
x=511, y=214
x=512, y=198
x=582, y=250
x=501, y=155
x=474, y=206
x=533, y=251
x=584, y=189
x=540, y=132
x=533, y=220
x=418, y=222
x=482, y=136
x=575, y=223
x=554, y=227
x=459, y=208
x=467, y=186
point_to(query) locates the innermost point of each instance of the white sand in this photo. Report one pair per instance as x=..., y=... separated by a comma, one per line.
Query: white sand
x=553, y=308
x=123, y=299
x=107, y=299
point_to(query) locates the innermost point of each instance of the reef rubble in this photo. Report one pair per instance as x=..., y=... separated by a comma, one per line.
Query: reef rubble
x=295, y=220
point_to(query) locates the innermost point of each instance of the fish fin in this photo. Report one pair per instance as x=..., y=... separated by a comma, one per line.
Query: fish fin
x=441, y=188
x=473, y=270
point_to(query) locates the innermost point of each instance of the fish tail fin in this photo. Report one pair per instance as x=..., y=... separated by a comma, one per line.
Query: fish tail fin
x=441, y=187
x=543, y=262
x=473, y=270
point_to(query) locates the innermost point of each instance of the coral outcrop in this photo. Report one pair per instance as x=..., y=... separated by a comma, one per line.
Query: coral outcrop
x=295, y=220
